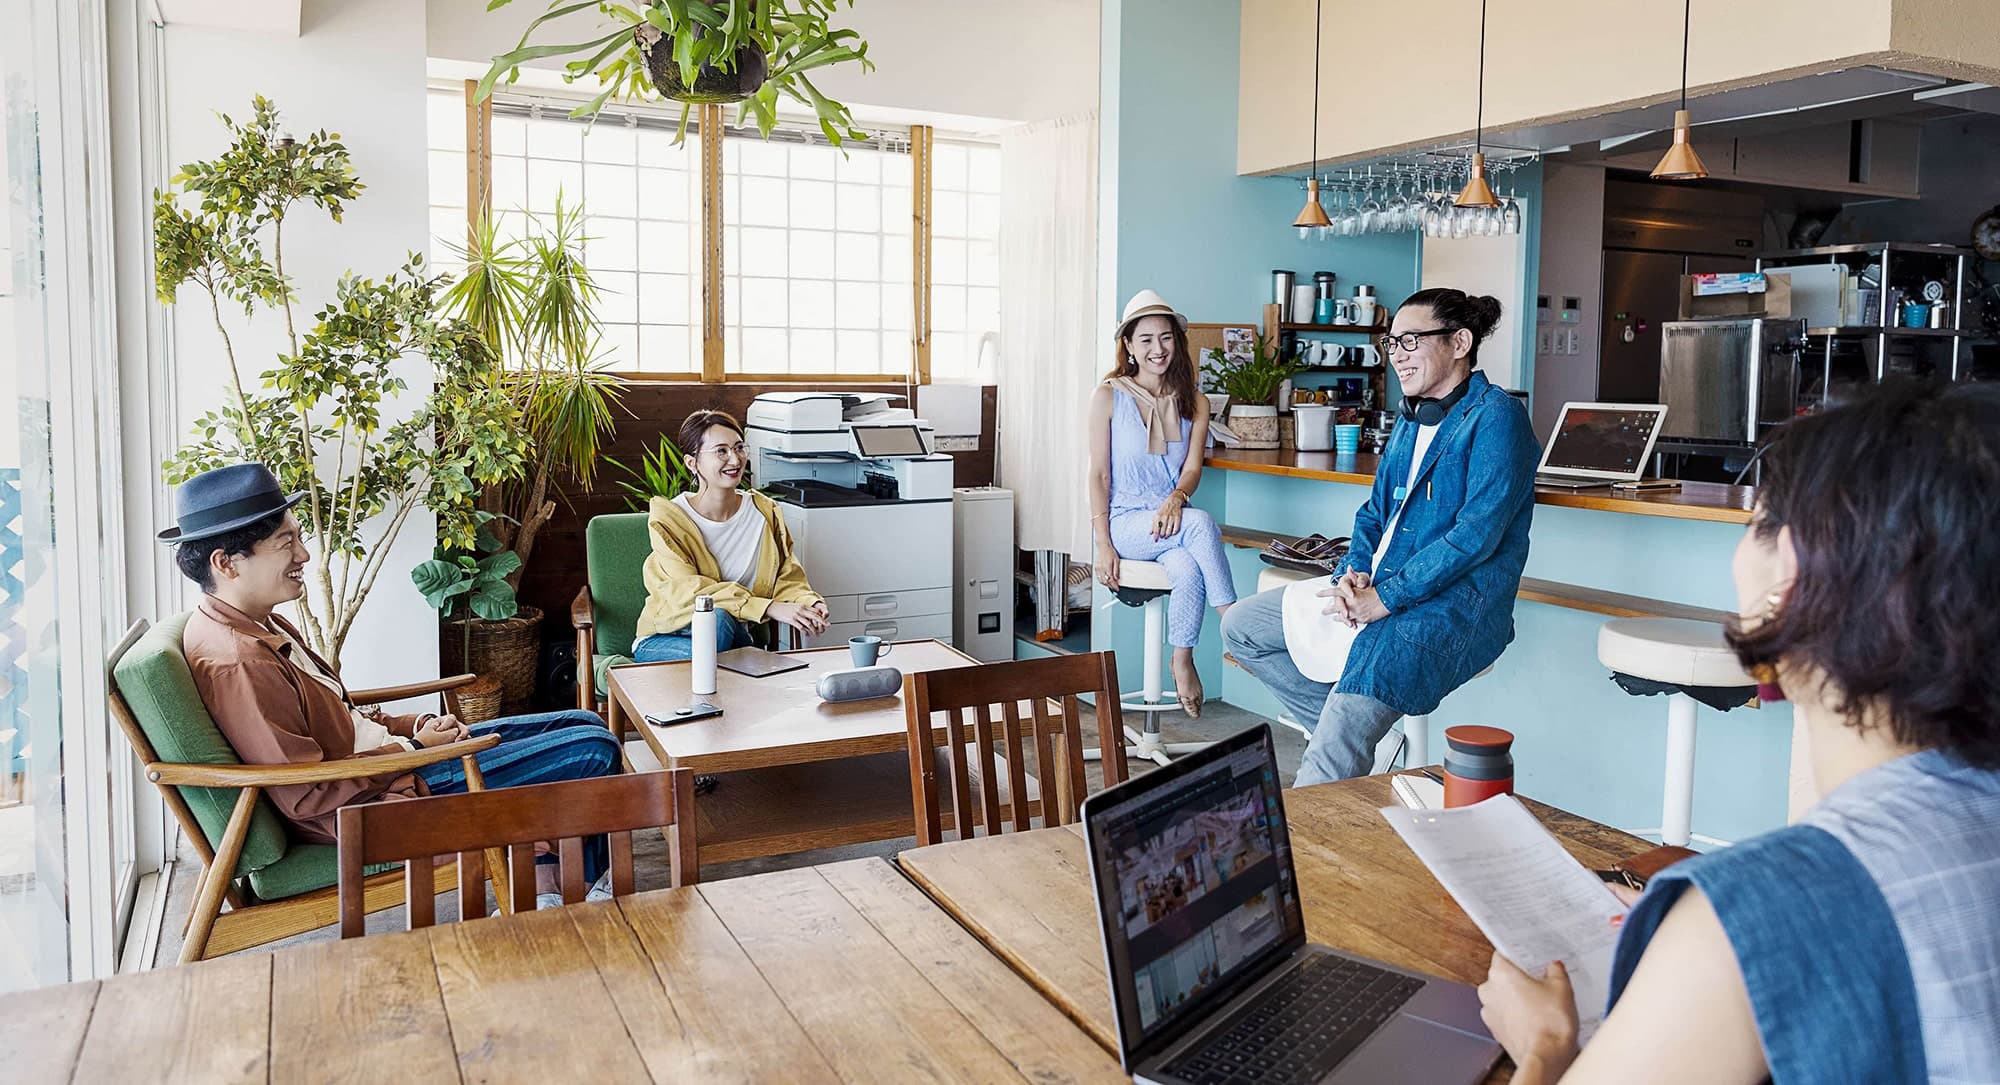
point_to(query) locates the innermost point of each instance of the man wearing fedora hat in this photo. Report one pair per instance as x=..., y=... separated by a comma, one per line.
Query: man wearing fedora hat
x=278, y=702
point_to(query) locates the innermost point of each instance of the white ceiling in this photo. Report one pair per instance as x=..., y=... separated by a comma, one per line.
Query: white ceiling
x=255, y=16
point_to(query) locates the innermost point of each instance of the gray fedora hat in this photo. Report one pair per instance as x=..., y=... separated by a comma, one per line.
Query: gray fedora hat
x=225, y=499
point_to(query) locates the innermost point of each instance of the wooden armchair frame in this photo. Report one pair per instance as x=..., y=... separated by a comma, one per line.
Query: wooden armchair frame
x=210, y=933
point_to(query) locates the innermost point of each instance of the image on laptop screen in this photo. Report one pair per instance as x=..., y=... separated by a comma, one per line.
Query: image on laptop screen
x=1605, y=439
x=1201, y=877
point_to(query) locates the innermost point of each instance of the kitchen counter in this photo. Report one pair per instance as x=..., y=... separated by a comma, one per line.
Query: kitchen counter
x=1693, y=501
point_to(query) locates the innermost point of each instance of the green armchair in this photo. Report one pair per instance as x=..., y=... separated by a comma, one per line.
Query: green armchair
x=275, y=887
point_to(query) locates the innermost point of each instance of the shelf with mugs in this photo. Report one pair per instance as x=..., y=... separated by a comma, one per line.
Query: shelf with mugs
x=1333, y=329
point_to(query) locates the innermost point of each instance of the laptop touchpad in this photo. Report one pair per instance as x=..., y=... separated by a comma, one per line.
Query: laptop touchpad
x=1409, y=1049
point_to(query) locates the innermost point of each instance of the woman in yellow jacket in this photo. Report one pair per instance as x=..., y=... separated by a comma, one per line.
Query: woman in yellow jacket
x=723, y=542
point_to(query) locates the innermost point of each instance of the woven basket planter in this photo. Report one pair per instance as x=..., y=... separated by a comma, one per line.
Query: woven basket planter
x=507, y=650
x=1257, y=426
x=479, y=701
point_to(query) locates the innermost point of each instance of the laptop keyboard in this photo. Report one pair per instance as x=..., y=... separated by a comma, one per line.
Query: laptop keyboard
x=1301, y=1027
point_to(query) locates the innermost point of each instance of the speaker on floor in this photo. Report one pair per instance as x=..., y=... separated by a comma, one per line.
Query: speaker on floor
x=860, y=684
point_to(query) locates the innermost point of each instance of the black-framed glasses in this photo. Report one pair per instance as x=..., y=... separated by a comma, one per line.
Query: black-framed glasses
x=1408, y=341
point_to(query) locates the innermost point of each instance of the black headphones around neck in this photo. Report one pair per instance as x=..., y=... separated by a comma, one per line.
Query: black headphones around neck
x=1429, y=412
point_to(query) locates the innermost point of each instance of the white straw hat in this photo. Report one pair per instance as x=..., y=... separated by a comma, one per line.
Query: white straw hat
x=1148, y=303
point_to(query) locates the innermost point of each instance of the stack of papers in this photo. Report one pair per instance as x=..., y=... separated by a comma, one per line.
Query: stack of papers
x=1528, y=896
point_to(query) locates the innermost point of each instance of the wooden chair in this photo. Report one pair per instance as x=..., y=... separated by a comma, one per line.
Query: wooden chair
x=1056, y=741
x=275, y=887
x=417, y=831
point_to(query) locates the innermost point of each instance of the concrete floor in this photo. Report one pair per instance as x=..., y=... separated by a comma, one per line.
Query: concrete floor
x=649, y=851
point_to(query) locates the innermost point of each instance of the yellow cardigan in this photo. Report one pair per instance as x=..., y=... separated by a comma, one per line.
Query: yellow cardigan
x=680, y=568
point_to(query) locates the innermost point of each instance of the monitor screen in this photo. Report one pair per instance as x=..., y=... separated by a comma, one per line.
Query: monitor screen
x=1603, y=438
x=874, y=441
x=1195, y=886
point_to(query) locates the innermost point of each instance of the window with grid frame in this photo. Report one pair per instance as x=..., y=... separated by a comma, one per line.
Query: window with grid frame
x=965, y=256
x=640, y=194
x=816, y=257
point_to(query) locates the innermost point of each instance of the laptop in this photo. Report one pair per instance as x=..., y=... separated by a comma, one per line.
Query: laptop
x=1596, y=445
x=1212, y=979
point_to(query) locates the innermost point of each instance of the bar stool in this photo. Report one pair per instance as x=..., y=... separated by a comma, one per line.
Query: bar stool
x=1144, y=584
x=1674, y=656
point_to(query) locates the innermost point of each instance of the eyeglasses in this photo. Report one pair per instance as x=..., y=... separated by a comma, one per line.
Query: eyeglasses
x=1408, y=341
x=739, y=450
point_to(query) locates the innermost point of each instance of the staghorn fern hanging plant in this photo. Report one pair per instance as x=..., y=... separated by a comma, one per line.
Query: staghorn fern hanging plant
x=702, y=51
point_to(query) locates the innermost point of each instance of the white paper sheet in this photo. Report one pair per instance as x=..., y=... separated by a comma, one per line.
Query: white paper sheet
x=1528, y=896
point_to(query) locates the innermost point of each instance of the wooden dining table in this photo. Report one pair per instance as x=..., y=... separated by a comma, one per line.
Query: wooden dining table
x=1027, y=895
x=794, y=773
x=837, y=973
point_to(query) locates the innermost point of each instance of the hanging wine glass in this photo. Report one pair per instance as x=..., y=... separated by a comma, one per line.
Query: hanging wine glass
x=1396, y=211
x=1510, y=218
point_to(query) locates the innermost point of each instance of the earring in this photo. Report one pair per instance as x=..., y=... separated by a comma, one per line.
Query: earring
x=1771, y=604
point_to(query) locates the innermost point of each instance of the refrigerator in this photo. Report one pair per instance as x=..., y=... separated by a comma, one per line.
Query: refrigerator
x=1727, y=381
x=1641, y=296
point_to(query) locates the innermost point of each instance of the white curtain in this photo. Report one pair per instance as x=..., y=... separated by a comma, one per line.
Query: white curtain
x=1051, y=355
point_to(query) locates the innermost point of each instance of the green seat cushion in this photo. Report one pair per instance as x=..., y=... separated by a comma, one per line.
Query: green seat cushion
x=153, y=678
x=600, y=666
x=616, y=546
x=304, y=868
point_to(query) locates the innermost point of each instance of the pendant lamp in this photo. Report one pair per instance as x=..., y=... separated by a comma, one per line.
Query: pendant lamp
x=1680, y=163
x=1477, y=193
x=1313, y=216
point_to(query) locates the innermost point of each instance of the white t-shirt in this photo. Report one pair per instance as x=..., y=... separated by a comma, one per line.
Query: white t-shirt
x=735, y=542
x=1319, y=642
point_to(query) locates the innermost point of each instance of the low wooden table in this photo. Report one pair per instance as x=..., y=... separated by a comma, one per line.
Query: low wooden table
x=843, y=972
x=796, y=773
x=1028, y=896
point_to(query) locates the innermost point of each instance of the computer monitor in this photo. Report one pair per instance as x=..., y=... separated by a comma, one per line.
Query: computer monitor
x=1611, y=441
x=1192, y=869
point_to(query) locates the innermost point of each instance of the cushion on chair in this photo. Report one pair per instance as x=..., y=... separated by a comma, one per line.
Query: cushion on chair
x=153, y=678
x=615, y=547
x=1270, y=576
x=600, y=667
x=304, y=868
x=1681, y=651
x=1143, y=575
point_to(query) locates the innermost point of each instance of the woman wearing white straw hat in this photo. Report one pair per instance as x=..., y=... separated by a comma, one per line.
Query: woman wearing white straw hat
x=1147, y=428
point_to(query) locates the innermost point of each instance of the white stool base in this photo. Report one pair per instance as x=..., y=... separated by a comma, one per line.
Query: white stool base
x=1417, y=737
x=1150, y=746
x=1155, y=697
x=1677, y=805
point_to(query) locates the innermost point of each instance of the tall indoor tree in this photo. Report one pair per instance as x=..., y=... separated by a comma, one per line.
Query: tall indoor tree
x=333, y=417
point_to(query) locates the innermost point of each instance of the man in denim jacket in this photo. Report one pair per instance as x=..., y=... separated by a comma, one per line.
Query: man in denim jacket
x=1436, y=554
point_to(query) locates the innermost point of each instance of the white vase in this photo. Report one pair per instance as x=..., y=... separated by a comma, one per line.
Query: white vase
x=1256, y=425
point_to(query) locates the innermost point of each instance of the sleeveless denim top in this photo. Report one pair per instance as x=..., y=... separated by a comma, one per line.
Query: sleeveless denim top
x=1141, y=480
x=1869, y=933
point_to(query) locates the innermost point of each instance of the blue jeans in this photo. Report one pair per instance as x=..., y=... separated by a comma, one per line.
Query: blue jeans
x=1345, y=726
x=662, y=647
x=541, y=748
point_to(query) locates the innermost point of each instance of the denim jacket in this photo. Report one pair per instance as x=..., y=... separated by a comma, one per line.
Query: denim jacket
x=1451, y=571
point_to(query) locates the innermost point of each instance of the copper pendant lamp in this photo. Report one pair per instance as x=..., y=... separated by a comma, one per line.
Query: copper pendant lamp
x=1477, y=193
x=1313, y=216
x=1680, y=163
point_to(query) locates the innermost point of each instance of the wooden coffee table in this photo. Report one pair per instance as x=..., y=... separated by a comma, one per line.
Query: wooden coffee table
x=795, y=773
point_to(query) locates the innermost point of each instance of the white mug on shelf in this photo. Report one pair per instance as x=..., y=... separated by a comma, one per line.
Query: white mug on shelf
x=1335, y=354
x=1364, y=312
x=1368, y=354
x=1304, y=297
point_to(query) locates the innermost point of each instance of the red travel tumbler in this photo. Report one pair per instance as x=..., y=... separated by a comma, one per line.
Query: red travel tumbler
x=1478, y=764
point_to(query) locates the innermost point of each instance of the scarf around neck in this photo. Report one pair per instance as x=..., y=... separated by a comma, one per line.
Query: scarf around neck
x=1161, y=412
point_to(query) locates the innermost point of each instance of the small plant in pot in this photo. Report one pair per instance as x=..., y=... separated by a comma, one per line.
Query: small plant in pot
x=490, y=626
x=1252, y=387
x=662, y=472
x=703, y=51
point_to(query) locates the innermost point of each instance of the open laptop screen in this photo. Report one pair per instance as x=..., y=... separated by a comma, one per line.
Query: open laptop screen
x=1194, y=882
x=1606, y=440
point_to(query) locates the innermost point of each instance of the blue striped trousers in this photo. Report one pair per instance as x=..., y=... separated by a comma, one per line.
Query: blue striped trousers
x=540, y=748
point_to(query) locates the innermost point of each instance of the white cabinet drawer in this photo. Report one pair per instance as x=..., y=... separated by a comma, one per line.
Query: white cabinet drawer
x=923, y=627
x=871, y=549
x=881, y=606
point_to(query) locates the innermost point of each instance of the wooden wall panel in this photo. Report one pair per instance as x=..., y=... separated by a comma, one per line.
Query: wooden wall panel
x=651, y=408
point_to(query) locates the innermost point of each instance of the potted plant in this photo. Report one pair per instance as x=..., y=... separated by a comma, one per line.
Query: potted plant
x=1252, y=387
x=478, y=579
x=1218, y=400
x=317, y=418
x=691, y=51
x=663, y=472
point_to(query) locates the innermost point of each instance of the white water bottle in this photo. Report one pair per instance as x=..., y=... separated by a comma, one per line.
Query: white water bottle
x=702, y=632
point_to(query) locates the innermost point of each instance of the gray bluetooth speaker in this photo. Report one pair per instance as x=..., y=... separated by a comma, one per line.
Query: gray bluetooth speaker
x=860, y=684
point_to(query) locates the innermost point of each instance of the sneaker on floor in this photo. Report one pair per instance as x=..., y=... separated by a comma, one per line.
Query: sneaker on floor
x=548, y=900
x=599, y=890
